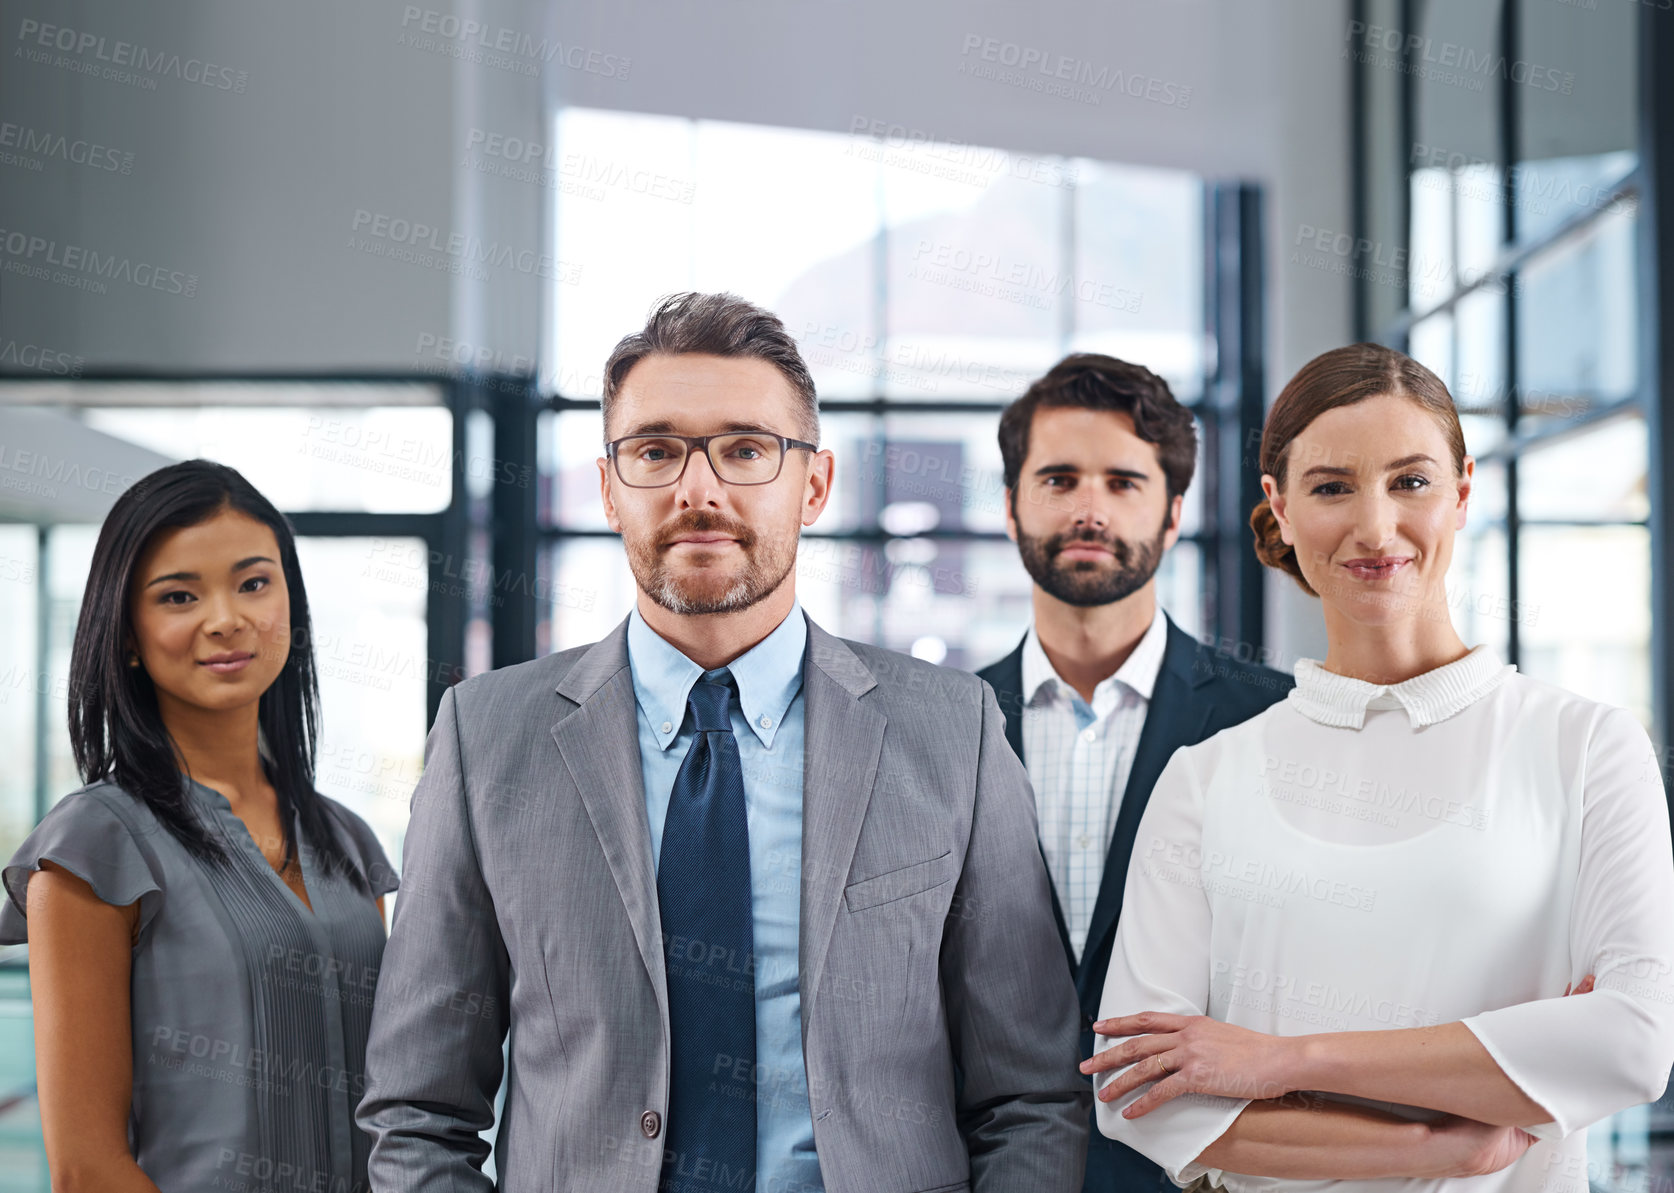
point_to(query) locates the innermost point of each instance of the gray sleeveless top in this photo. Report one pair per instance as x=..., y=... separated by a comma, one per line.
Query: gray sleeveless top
x=250, y=1014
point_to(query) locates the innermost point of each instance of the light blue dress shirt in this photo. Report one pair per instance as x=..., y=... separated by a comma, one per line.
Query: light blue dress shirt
x=767, y=720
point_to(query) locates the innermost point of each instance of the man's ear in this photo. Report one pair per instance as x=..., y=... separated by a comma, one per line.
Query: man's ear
x=1176, y=516
x=611, y=520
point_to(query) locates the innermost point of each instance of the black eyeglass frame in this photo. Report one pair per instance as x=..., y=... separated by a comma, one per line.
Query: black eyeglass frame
x=696, y=443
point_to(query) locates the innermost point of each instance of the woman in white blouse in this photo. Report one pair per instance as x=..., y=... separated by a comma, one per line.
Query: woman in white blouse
x=1413, y=927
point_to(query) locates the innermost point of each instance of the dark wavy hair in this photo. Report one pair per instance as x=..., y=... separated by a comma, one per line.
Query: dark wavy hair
x=1094, y=381
x=116, y=729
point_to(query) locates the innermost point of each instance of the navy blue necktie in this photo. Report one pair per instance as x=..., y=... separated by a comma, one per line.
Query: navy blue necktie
x=703, y=895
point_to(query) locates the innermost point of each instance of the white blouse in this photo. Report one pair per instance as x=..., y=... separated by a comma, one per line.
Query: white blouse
x=1458, y=846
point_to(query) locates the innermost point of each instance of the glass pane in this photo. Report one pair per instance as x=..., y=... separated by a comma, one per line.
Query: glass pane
x=979, y=290
x=1430, y=266
x=1477, y=590
x=1450, y=60
x=1577, y=320
x=774, y=205
x=1430, y=343
x=1599, y=474
x=23, y=1166
x=1479, y=209
x=1191, y=510
x=367, y=600
x=786, y=218
x=19, y=601
x=1587, y=623
x=1487, y=504
x=1139, y=270
x=386, y=459
x=1479, y=388
x=592, y=590
x=626, y=244
x=1553, y=190
x=861, y=472
x=964, y=604
x=69, y=560
x=789, y=218
x=1577, y=109
x=950, y=463
x=1181, y=587
x=571, y=442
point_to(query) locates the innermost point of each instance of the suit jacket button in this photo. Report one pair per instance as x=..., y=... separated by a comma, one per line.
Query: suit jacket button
x=650, y=1122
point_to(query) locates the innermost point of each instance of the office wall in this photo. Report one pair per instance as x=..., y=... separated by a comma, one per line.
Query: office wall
x=262, y=156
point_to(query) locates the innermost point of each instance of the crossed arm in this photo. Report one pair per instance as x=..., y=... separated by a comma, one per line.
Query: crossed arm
x=1444, y=1067
x=1283, y=1132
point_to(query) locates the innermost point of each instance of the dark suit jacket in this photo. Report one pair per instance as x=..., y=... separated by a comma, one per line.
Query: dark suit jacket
x=1198, y=693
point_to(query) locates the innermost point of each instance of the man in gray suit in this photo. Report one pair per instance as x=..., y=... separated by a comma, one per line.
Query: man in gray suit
x=761, y=908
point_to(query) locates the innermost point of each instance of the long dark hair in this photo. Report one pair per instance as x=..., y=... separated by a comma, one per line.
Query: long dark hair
x=116, y=729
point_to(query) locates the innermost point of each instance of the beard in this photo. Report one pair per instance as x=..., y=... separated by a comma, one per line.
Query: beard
x=707, y=590
x=1089, y=582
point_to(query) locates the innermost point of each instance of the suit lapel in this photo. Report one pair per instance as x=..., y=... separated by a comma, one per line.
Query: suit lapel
x=843, y=739
x=1006, y=678
x=1175, y=716
x=599, y=742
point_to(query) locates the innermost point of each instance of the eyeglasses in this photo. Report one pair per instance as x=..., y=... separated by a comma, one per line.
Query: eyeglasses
x=737, y=457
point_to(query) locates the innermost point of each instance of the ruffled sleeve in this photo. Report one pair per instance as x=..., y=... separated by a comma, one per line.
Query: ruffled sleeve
x=88, y=835
x=1161, y=963
x=361, y=844
x=1586, y=1056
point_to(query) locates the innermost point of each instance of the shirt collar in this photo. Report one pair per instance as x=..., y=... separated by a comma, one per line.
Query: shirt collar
x=768, y=676
x=1429, y=697
x=1138, y=671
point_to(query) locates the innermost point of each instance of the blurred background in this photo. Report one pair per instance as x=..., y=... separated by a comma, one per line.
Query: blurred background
x=374, y=256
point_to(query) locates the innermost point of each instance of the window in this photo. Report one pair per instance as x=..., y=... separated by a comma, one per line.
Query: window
x=927, y=284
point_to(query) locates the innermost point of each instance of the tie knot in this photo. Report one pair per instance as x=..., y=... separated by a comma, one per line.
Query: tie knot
x=708, y=701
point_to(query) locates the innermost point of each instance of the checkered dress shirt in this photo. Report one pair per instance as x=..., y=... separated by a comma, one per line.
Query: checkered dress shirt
x=1079, y=757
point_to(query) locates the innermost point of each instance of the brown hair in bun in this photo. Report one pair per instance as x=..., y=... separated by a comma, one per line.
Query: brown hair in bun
x=1332, y=379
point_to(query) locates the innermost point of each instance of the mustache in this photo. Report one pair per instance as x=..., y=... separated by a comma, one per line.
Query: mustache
x=705, y=522
x=1120, y=548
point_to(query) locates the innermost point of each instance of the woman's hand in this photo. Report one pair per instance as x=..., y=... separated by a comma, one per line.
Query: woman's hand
x=1189, y=1054
x=1465, y=1147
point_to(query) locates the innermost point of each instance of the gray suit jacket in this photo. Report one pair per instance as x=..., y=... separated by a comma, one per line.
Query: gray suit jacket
x=939, y=1025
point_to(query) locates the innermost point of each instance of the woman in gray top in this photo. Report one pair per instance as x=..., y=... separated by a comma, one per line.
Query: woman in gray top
x=204, y=928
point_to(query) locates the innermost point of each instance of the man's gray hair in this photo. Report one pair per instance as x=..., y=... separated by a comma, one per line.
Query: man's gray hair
x=716, y=325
